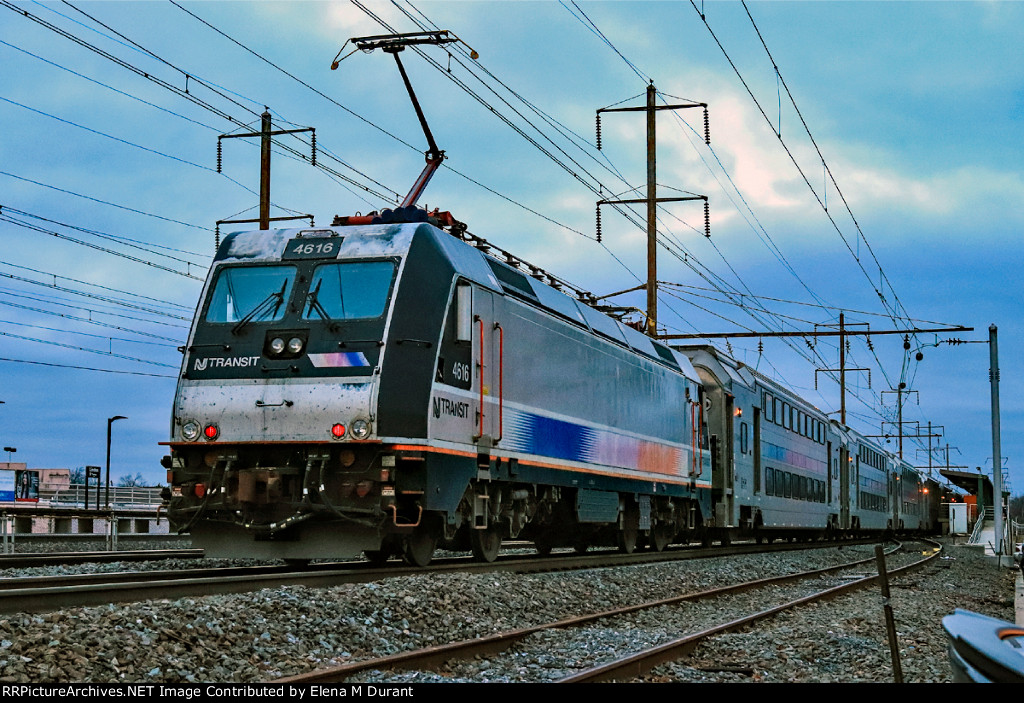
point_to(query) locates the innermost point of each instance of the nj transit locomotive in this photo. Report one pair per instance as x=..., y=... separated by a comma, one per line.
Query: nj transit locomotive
x=381, y=388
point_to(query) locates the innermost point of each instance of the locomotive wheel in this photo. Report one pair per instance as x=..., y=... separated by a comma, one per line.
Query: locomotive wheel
x=630, y=532
x=543, y=545
x=660, y=538
x=418, y=548
x=486, y=543
x=377, y=557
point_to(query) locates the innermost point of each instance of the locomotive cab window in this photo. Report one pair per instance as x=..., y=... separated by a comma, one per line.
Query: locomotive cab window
x=349, y=290
x=259, y=293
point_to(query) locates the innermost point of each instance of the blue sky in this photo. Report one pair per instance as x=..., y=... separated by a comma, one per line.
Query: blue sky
x=916, y=107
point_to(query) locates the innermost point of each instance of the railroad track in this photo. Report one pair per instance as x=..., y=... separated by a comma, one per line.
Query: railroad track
x=49, y=593
x=26, y=559
x=789, y=591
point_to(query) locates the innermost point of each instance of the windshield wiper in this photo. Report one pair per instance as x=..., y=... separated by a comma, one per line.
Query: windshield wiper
x=315, y=304
x=274, y=299
x=312, y=297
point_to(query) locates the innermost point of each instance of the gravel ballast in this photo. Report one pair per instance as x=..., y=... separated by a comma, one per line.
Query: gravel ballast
x=289, y=630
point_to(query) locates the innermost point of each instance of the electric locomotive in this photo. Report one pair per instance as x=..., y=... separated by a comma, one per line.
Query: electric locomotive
x=380, y=388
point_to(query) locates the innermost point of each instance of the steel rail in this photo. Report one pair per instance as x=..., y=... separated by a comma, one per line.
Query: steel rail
x=49, y=593
x=640, y=663
x=433, y=656
x=24, y=559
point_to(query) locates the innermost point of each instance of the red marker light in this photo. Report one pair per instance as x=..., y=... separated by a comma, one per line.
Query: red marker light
x=200, y=490
x=338, y=431
x=211, y=431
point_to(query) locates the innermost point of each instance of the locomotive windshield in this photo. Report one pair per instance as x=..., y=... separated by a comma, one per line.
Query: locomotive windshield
x=349, y=290
x=251, y=293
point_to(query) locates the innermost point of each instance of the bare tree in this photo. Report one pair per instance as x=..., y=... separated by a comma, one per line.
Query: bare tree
x=129, y=480
x=1017, y=508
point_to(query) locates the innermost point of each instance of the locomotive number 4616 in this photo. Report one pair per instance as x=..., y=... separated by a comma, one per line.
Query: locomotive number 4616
x=312, y=249
x=460, y=371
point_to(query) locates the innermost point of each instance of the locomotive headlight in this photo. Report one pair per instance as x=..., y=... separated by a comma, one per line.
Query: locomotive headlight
x=276, y=346
x=294, y=345
x=190, y=430
x=360, y=429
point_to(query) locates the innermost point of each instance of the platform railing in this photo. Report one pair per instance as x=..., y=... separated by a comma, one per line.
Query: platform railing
x=124, y=496
x=8, y=530
x=979, y=524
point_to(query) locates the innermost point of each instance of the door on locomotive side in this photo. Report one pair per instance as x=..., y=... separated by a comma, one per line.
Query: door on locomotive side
x=488, y=370
x=452, y=412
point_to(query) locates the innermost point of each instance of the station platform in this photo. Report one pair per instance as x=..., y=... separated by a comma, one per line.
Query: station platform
x=985, y=541
x=1018, y=599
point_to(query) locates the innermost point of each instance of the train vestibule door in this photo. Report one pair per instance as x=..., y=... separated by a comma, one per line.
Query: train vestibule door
x=844, y=488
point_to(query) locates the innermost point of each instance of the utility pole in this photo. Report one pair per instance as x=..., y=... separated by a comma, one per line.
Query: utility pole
x=652, y=198
x=265, y=134
x=901, y=391
x=930, y=445
x=843, y=331
x=842, y=371
x=652, y=215
x=930, y=450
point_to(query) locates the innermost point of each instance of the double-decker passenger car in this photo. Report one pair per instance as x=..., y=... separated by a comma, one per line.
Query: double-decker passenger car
x=781, y=468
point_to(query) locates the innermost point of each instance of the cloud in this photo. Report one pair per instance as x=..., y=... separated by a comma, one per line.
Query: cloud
x=973, y=191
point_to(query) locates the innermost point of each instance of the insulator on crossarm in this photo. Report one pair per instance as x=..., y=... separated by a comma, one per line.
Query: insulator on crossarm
x=219, y=154
x=760, y=347
x=314, y=147
x=216, y=239
x=598, y=224
x=707, y=220
x=599, y=131
x=707, y=127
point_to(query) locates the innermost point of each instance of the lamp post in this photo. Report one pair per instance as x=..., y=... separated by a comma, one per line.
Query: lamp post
x=110, y=421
